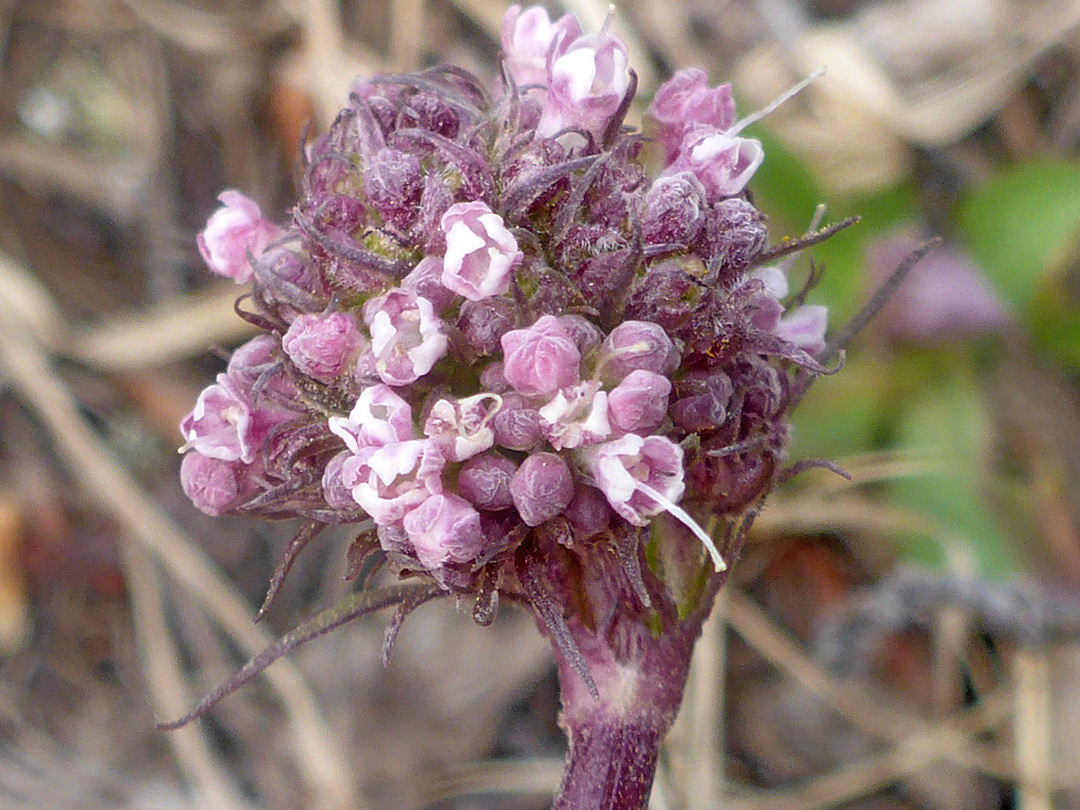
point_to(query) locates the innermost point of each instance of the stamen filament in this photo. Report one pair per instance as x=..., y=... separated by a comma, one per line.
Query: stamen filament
x=683, y=517
x=769, y=108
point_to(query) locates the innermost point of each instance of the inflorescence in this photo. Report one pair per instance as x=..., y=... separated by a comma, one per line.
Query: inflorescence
x=498, y=314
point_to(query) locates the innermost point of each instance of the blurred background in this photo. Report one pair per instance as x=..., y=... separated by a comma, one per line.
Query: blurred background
x=908, y=640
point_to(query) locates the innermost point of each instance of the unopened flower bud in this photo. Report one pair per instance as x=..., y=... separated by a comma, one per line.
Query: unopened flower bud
x=214, y=486
x=684, y=100
x=703, y=401
x=639, y=403
x=636, y=345
x=541, y=488
x=484, y=481
x=675, y=210
x=668, y=293
x=588, y=513
x=233, y=231
x=323, y=346
x=517, y=424
x=735, y=233
x=335, y=493
x=585, y=334
x=723, y=163
x=540, y=360
x=393, y=183
x=483, y=323
x=480, y=251
x=444, y=528
x=426, y=281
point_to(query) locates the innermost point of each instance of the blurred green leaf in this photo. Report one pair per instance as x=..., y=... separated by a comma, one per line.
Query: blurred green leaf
x=1021, y=225
x=951, y=422
x=839, y=414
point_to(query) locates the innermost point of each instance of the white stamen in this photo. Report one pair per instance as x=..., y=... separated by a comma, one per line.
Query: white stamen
x=769, y=108
x=681, y=515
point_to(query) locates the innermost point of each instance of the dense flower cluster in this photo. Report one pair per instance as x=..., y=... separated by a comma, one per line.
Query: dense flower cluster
x=488, y=320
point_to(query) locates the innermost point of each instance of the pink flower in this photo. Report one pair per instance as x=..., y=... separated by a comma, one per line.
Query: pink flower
x=233, y=231
x=684, y=100
x=379, y=417
x=541, y=488
x=323, y=346
x=389, y=481
x=641, y=477
x=529, y=37
x=805, y=327
x=577, y=416
x=221, y=425
x=540, y=360
x=723, y=163
x=639, y=403
x=406, y=337
x=462, y=427
x=444, y=528
x=586, y=85
x=480, y=251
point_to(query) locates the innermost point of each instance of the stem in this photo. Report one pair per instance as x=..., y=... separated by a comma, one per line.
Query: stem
x=610, y=765
x=615, y=737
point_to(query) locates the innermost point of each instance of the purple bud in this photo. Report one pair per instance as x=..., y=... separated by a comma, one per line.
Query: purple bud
x=214, y=486
x=426, y=281
x=492, y=379
x=483, y=323
x=636, y=345
x=675, y=210
x=585, y=334
x=540, y=360
x=684, y=100
x=541, y=488
x=444, y=528
x=335, y=493
x=393, y=182
x=323, y=346
x=668, y=293
x=528, y=37
x=517, y=424
x=233, y=231
x=735, y=233
x=588, y=513
x=484, y=481
x=723, y=163
x=480, y=251
x=703, y=401
x=251, y=360
x=639, y=403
